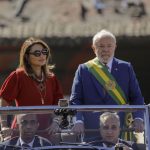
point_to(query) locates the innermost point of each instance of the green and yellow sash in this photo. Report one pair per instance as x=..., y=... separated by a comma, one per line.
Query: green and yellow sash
x=105, y=78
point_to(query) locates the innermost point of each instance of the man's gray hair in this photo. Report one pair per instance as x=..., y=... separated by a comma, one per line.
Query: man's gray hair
x=103, y=117
x=103, y=33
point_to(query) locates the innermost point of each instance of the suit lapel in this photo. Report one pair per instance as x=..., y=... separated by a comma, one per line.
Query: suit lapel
x=115, y=68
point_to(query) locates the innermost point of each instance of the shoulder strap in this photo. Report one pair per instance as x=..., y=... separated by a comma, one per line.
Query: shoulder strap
x=105, y=78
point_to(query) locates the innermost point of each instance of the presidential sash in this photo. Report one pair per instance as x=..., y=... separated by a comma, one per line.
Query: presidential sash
x=105, y=78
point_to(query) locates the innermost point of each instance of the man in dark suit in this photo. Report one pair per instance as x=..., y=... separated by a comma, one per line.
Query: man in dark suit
x=110, y=129
x=105, y=80
x=28, y=125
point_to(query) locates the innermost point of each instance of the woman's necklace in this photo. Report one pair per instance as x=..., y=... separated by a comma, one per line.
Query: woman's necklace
x=40, y=86
x=42, y=91
x=37, y=79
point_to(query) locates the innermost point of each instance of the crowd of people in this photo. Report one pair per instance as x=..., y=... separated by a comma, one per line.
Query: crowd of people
x=104, y=80
x=131, y=8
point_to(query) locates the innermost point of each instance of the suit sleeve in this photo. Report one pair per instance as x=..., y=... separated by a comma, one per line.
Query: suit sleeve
x=135, y=95
x=76, y=94
x=77, y=91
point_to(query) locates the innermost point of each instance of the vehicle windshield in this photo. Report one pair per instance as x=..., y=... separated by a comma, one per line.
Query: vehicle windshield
x=52, y=127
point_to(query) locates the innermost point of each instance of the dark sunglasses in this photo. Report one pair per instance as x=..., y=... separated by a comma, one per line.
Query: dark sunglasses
x=37, y=53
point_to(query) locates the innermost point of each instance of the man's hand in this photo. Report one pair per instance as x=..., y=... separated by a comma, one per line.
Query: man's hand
x=78, y=128
x=125, y=147
x=138, y=125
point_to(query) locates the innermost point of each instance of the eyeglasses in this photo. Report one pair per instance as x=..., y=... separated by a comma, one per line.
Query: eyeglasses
x=37, y=53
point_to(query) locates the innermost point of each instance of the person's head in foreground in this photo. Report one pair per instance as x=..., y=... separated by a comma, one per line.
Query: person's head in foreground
x=28, y=126
x=110, y=130
x=110, y=127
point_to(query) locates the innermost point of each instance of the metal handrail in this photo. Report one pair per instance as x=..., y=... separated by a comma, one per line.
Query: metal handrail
x=49, y=109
